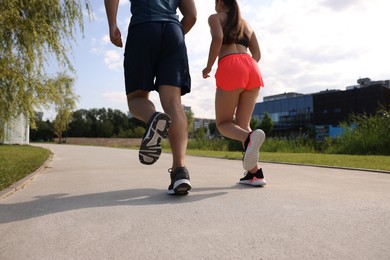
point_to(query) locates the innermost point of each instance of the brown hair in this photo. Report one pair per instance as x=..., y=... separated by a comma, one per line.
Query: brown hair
x=234, y=27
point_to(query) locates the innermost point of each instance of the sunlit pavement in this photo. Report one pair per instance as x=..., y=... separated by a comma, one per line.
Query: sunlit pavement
x=101, y=203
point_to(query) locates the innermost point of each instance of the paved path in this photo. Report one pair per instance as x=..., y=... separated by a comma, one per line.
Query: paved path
x=101, y=203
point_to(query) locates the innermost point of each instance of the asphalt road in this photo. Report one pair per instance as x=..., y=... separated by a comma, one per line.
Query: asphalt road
x=101, y=203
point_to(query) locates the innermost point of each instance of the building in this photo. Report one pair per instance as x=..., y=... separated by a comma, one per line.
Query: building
x=198, y=122
x=291, y=113
x=202, y=122
x=298, y=114
x=16, y=131
x=334, y=107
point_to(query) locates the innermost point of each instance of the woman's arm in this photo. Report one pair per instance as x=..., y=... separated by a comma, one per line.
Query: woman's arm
x=216, y=43
x=254, y=47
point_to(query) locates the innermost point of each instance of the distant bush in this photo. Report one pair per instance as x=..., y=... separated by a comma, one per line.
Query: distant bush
x=208, y=144
x=296, y=145
x=365, y=135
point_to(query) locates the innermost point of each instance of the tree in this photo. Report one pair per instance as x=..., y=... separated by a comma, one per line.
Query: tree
x=254, y=123
x=80, y=125
x=119, y=120
x=64, y=103
x=43, y=132
x=31, y=32
x=200, y=133
x=213, y=129
x=102, y=122
x=138, y=132
x=135, y=122
x=266, y=124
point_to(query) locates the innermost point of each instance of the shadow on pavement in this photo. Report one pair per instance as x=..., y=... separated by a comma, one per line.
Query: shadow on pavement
x=54, y=203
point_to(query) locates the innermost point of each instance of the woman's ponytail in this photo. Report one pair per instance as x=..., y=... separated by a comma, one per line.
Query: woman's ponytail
x=234, y=27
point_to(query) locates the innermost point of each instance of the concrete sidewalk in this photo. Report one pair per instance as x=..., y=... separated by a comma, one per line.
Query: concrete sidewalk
x=101, y=203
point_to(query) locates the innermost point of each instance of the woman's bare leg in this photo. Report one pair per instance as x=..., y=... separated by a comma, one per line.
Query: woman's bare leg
x=226, y=103
x=245, y=107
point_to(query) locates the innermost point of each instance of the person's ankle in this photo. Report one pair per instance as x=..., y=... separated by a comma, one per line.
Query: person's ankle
x=247, y=140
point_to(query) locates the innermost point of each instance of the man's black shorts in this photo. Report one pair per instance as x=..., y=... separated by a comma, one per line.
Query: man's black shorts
x=155, y=55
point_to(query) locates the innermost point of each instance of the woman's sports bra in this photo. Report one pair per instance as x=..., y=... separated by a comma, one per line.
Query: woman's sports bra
x=244, y=41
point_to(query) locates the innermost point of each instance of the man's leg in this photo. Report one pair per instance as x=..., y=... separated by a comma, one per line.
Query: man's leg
x=140, y=106
x=156, y=129
x=170, y=97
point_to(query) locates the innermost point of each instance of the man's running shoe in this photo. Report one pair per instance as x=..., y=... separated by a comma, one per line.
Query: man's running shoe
x=180, y=181
x=156, y=130
x=254, y=179
x=252, y=146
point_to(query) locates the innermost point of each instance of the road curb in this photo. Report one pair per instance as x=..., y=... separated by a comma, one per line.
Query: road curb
x=23, y=182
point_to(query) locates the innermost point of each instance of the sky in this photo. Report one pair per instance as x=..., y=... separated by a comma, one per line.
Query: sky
x=307, y=46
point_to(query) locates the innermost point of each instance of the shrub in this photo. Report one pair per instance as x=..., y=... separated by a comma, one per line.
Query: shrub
x=297, y=145
x=365, y=135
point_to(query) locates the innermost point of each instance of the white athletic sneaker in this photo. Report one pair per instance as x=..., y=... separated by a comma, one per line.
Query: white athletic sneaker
x=252, y=147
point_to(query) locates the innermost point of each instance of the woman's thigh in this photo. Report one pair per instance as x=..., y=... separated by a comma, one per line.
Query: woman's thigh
x=226, y=102
x=245, y=106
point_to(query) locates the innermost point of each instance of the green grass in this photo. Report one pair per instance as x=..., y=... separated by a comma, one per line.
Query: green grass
x=18, y=161
x=340, y=160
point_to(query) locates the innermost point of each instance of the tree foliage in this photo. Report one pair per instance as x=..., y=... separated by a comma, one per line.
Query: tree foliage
x=95, y=122
x=31, y=33
x=365, y=134
x=213, y=129
x=266, y=124
x=44, y=131
x=254, y=123
x=104, y=122
x=64, y=103
x=201, y=133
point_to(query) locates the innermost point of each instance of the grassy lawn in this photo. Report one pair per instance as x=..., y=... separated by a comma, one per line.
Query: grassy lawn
x=352, y=161
x=17, y=161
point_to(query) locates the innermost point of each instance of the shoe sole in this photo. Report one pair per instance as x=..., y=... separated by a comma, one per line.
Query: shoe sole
x=254, y=182
x=180, y=187
x=251, y=156
x=150, y=149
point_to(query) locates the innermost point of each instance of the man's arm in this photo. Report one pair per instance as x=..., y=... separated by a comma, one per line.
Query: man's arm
x=188, y=10
x=111, y=11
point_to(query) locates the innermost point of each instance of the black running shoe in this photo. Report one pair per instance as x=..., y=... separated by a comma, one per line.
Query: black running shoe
x=156, y=130
x=180, y=181
x=254, y=179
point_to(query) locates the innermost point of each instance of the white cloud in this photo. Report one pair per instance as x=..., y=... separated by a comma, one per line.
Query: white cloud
x=113, y=59
x=338, y=5
x=123, y=2
x=307, y=46
x=105, y=40
x=115, y=97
